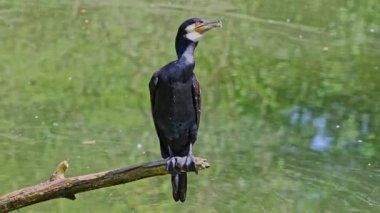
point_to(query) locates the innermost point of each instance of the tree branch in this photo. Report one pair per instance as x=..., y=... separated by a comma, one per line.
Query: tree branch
x=58, y=186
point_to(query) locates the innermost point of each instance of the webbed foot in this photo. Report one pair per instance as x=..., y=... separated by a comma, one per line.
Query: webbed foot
x=189, y=165
x=177, y=164
x=173, y=166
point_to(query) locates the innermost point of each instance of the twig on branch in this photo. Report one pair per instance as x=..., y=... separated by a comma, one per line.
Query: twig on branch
x=58, y=186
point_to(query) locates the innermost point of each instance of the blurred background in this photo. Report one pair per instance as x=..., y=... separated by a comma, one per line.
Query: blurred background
x=290, y=114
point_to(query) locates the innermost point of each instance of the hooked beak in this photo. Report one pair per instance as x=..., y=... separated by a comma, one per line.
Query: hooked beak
x=207, y=25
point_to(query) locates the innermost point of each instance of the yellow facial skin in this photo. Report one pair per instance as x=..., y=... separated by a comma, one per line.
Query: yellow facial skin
x=196, y=30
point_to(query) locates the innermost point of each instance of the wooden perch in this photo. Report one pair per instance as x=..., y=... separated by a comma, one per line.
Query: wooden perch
x=58, y=186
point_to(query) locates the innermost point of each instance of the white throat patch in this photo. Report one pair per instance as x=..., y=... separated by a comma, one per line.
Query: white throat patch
x=194, y=36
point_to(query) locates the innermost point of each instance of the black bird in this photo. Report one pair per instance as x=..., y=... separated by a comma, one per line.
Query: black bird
x=176, y=104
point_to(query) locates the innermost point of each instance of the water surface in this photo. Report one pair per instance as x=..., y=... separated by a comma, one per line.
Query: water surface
x=290, y=102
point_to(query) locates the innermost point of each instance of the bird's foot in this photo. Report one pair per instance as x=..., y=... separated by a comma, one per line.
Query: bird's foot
x=189, y=165
x=177, y=164
x=172, y=166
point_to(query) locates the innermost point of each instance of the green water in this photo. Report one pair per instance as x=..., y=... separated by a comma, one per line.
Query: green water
x=291, y=107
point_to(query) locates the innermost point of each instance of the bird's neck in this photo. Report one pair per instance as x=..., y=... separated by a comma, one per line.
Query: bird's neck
x=187, y=56
x=185, y=50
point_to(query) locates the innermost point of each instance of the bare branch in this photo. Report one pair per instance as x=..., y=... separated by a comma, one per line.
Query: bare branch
x=59, y=172
x=58, y=186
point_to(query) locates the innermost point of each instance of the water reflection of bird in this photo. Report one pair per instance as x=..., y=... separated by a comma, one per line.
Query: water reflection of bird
x=321, y=141
x=175, y=102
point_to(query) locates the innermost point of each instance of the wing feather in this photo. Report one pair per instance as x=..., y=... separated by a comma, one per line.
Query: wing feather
x=197, y=99
x=152, y=89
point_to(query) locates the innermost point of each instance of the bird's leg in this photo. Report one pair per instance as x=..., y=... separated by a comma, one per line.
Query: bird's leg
x=175, y=164
x=186, y=163
x=190, y=161
x=172, y=164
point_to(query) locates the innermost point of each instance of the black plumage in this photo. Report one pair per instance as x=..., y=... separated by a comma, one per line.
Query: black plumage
x=176, y=104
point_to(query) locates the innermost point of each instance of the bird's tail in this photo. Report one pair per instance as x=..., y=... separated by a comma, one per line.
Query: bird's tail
x=179, y=184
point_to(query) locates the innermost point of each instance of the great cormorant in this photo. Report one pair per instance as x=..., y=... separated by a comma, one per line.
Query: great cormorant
x=176, y=104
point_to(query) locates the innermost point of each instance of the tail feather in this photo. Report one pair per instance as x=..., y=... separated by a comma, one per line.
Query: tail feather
x=179, y=184
x=175, y=183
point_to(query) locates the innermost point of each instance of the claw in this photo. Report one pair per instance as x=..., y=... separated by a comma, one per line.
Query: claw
x=175, y=165
x=171, y=166
x=190, y=164
x=178, y=164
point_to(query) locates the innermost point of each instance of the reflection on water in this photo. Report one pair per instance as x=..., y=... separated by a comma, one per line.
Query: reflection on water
x=74, y=80
x=323, y=138
x=321, y=142
x=302, y=116
x=364, y=126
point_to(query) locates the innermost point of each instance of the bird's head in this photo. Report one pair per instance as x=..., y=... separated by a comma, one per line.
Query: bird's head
x=193, y=29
